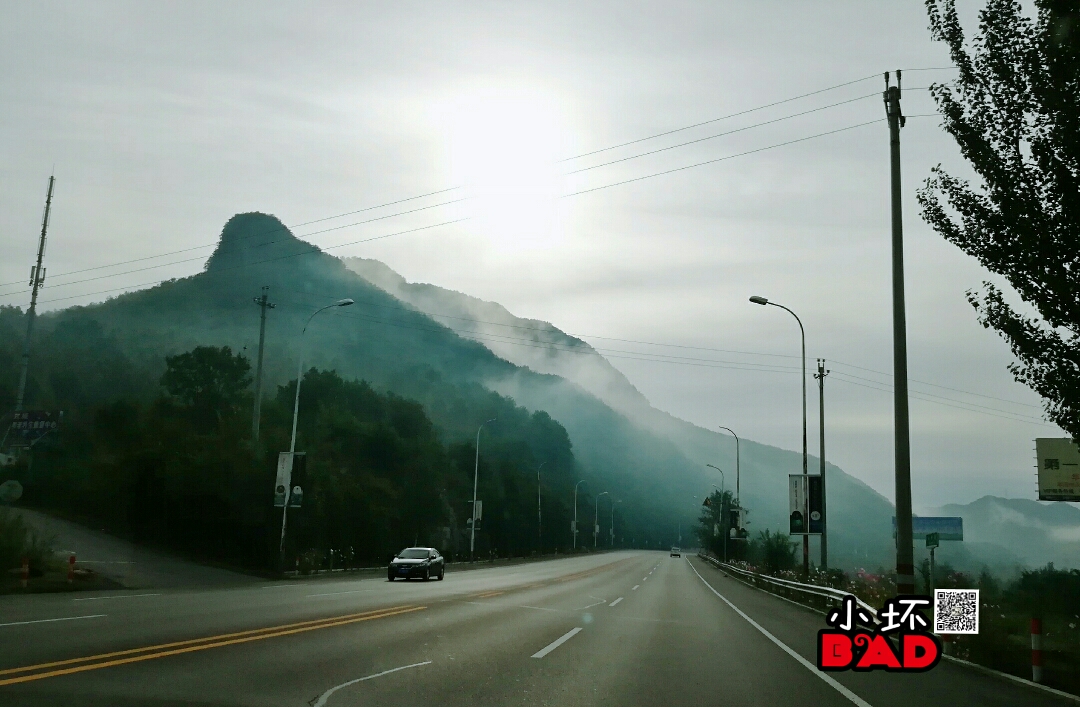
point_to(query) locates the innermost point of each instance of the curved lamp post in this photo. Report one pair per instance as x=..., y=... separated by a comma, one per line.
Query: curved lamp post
x=575, y=511
x=763, y=301
x=596, y=517
x=737, y=461
x=476, y=477
x=296, y=409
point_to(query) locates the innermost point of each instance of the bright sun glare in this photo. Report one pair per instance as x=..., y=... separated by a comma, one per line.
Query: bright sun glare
x=503, y=145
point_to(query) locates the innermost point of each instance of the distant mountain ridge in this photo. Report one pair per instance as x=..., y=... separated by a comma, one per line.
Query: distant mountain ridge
x=645, y=457
x=1021, y=528
x=860, y=516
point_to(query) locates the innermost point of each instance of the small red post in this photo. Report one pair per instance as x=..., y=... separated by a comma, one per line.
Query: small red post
x=1036, y=650
x=25, y=571
x=71, y=569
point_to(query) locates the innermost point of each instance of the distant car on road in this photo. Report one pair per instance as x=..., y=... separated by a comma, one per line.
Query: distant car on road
x=422, y=562
x=676, y=552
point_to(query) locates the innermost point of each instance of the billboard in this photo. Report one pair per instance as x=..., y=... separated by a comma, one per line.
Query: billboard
x=946, y=527
x=1059, y=469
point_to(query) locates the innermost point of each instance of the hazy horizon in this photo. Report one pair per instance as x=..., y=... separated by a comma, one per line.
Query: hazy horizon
x=161, y=122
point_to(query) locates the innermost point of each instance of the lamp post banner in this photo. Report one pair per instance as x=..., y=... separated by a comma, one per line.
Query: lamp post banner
x=284, y=478
x=798, y=506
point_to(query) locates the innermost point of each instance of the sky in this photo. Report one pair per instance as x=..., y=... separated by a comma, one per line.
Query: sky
x=511, y=121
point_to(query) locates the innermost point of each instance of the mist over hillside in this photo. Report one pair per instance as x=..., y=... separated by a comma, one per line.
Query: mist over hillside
x=461, y=358
x=860, y=517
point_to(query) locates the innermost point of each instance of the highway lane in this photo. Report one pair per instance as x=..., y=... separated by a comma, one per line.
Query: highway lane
x=567, y=632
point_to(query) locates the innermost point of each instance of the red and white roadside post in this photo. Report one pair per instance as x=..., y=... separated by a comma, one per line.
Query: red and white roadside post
x=1036, y=651
x=71, y=569
x=25, y=571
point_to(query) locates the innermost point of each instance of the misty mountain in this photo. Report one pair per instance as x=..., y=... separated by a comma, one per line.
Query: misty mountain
x=1005, y=532
x=443, y=350
x=860, y=517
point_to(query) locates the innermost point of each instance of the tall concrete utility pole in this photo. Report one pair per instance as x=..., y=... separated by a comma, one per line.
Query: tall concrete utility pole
x=820, y=375
x=37, y=277
x=905, y=558
x=263, y=306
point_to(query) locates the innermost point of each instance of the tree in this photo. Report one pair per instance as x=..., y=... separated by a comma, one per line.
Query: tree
x=1014, y=111
x=208, y=380
x=776, y=550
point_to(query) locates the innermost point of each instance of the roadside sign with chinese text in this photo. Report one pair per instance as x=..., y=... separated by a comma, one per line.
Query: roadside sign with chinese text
x=28, y=426
x=1059, y=469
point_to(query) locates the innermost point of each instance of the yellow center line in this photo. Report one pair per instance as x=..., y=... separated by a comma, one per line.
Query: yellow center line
x=489, y=594
x=217, y=642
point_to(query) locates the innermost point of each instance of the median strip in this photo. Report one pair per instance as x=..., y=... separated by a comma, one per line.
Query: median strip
x=105, y=660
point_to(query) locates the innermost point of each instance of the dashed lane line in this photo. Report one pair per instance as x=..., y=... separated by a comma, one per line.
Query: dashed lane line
x=556, y=643
x=117, y=596
x=615, y=602
x=46, y=621
x=635, y=587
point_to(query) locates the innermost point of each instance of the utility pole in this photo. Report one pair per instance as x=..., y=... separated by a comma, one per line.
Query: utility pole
x=905, y=556
x=37, y=277
x=263, y=306
x=820, y=375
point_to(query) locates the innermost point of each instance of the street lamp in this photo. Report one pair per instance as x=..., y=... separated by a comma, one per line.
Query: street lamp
x=539, y=519
x=296, y=409
x=762, y=301
x=611, y=529
x=575, y=511
x=476, y=476
x=722, y=478
x=596, y=517
x=737, y=462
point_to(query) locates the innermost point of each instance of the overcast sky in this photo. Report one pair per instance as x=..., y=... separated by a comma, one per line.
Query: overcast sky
x=163, y=120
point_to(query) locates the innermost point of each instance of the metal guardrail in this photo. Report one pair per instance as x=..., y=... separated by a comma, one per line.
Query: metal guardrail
x=827, y=597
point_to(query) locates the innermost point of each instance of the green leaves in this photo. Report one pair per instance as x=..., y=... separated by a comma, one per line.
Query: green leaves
x=1014, y=111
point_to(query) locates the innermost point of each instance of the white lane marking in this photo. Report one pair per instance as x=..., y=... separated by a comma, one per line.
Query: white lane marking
x=855, y=699
x=589, y=606
x=326, y=695
x=644, y=579
x=615, y=602
x=635, y=587
x=45, y=621
x=279, y=586
x=118, y=596
x=556, y=643
x=334, y=594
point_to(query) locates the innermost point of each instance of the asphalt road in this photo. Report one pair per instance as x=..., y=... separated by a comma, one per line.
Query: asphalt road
x=627, y=628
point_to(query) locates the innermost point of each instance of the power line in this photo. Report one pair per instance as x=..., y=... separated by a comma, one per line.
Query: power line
x=304, y=235
x=276, y=229
x=666, y=358
x=722, y=159
x=723, y=117
x=291, y=255
x=729, y=132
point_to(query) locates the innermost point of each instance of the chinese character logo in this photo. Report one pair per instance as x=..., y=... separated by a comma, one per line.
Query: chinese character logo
x=899, y=642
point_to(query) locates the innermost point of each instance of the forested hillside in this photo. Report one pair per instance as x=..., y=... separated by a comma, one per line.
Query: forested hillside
x=108, y=359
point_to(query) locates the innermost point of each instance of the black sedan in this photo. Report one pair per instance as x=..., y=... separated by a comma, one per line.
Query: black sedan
x=422, y=562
